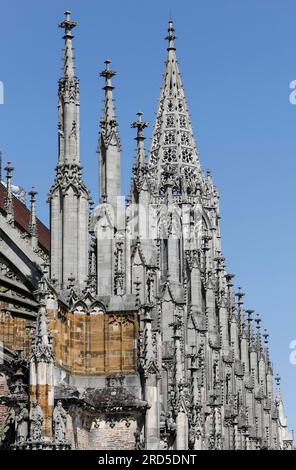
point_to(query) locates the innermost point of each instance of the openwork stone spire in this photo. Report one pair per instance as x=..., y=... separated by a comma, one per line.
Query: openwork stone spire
x=173, y=147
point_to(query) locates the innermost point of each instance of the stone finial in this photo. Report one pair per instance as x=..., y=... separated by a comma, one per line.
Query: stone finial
x=258, y=334
x=265, y=336
x=266, y=345
x=209, y=175
x=33, y=218
x=250, y=324
x=278, y=387
x=9, y=197
x=68, y=25
x=171, y=37
x=239, y=294
x=107, y=73
x=229, y=278
x=108, y=123
x=140, y=126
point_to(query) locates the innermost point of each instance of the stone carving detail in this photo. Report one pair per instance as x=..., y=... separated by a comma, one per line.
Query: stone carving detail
x=69, y=89
x=22, y=422
x=7, y=428
x=154, y=307
x=59, y=422
x=36, y=422
x=7, y=271
x=117, y=380
x=69, y=175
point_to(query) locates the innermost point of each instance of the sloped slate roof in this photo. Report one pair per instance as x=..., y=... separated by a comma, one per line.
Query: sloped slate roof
x=22, y=219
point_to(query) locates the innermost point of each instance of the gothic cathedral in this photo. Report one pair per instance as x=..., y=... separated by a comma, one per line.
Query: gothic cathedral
x=119, y=325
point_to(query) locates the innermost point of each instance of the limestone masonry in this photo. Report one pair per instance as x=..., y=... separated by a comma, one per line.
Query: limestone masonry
x=119, y=325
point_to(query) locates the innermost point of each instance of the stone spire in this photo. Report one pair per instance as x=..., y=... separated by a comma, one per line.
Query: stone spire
x=250, y=325
x=68, y=105
x=240, y=303
x=173, y=146
x=285, y=436
x=109, y=143
x=258, y=333
x=278, y=388
x=42, y=349
x=68, y=25
x=108, y=121
x=69, y=197
x=266, y=346
x=33, y=219
x=140, y=126
x=41, y=364
x=9, y=197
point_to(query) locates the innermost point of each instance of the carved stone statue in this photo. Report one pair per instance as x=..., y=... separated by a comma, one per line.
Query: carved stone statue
x=192, y=438
x=21, y=422
x=7, y=429
x=59, y=422
x=36, y=421
x=170, y=423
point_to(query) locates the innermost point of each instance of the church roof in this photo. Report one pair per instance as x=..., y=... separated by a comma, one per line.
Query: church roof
x=22, y=219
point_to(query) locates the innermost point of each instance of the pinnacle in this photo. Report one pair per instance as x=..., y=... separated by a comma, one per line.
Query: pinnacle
x=172, y=139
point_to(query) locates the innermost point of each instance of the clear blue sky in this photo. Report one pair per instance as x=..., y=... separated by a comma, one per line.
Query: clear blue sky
x=237, y=59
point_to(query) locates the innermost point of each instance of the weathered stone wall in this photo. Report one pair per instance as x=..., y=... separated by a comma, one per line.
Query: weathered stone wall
x=97, y=343
x=105, y=435
x=3, y=392
x=41, y=394
x=15, y=332
x=83, y=343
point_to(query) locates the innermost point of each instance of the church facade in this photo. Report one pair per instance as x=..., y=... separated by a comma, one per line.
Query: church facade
x=119, y=326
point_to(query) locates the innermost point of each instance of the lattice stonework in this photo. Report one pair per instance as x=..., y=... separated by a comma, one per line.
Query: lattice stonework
x=172, y=140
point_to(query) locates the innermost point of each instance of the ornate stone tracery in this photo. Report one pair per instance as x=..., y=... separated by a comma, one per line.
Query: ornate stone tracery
x=136, y=331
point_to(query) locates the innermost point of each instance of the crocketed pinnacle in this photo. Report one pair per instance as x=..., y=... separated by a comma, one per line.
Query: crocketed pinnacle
x=140, y=126
x=68, y=25
x=41, y=346
x=108, y=124
x=9, y=197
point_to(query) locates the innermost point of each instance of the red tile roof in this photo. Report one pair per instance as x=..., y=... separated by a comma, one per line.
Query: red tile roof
x=22, y=219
